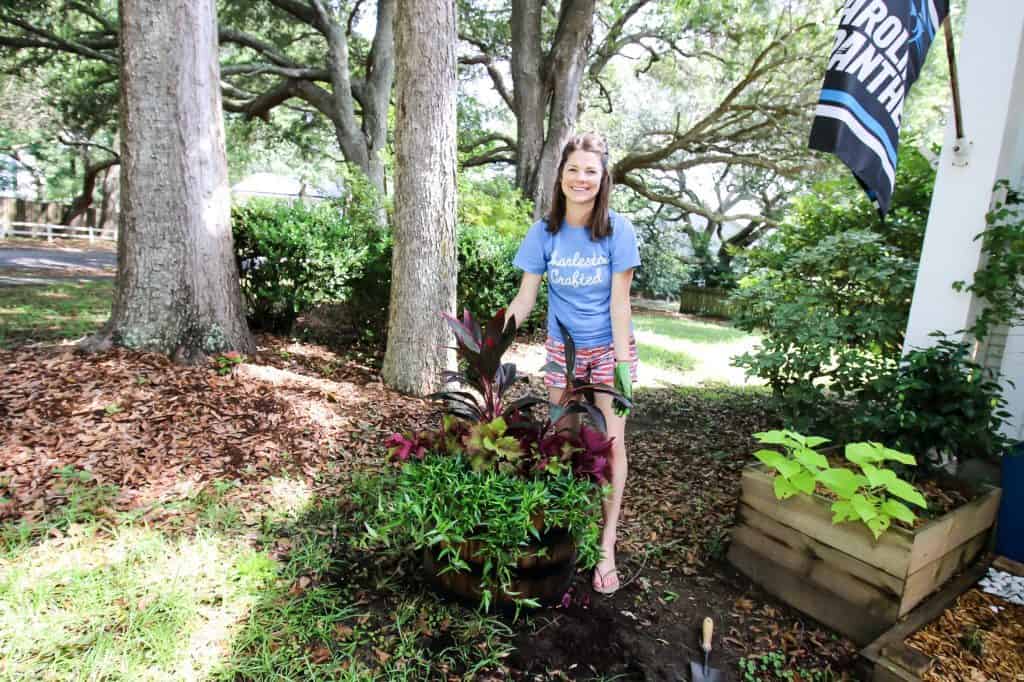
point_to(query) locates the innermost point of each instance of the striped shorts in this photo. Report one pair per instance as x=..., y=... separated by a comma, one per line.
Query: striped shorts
x=596, y=365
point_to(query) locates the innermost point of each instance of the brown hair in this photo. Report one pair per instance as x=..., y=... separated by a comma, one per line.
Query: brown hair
x=599, y=226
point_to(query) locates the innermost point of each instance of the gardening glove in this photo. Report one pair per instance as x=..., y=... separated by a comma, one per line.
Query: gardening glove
x=624, y=385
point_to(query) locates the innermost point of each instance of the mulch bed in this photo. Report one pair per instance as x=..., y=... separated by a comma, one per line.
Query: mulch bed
x=980, y=638
x=159, y=431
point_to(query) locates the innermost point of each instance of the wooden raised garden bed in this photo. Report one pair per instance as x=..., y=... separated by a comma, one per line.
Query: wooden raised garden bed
x=839, y=574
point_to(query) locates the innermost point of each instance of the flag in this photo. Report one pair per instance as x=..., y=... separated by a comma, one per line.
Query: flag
x=877, y=55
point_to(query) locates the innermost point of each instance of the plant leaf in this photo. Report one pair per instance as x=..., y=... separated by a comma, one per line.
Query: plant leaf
x=770, y=458
x=810, y=459
x=784, y=489
x=842, y=511
x=898, y=510
x=905, y=491
x=878, y=525
x=804, y=482
x=842, y=482
x=860, y=453
x=864, y=508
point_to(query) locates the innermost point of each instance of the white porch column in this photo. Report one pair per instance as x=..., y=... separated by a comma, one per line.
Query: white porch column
x=991, y=66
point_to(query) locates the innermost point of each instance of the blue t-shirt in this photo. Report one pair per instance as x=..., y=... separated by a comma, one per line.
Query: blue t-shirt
x=579, y=275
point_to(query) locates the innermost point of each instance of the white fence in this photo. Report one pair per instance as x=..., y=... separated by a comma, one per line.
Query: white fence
x=50, y=231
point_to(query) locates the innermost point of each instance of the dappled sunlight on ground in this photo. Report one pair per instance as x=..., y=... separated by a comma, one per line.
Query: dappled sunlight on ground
x=712, y=358
x=137, y=604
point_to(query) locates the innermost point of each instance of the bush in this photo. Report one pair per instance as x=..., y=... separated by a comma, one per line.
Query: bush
x=493, y=219
x=293, y=256
x=832, y=317
x=664, y=271
x=938, y=405
x=830, y=293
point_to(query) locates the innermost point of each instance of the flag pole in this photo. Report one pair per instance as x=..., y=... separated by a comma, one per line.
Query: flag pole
x=958, y=115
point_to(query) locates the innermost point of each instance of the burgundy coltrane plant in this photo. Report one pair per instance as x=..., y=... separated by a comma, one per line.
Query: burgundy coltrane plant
x=494, y=434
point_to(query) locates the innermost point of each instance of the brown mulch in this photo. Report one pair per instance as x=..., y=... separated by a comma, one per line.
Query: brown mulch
x=980, y=638
x=156, y=429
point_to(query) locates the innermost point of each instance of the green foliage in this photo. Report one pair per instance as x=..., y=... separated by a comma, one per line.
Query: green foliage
x=293, y=256
x=774, y=666
x=226, y=362
x=492, y=220
x=937, y=403
x=664, y=269
x=874, y=497
x=1000, y=281
x=440, y=501
x=830, y=292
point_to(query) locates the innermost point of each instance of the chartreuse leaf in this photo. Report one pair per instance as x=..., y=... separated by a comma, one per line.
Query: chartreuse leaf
x=898, y=510
x=905, y=491
x=878, y=477
x=770, y=458
x=788, y=468
x=897, y=456
x=804, y=482
x=842, y=511
x=864, y=508
x=775, y=438
x=842, y=482
x=878, y=525
x=864, y=453
x=815, y=441
x=784, y=489
x=811, y=459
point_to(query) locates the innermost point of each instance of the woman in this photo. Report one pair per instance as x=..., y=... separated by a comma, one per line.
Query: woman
x=588, y=253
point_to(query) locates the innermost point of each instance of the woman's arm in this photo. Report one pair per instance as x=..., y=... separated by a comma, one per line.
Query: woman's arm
x=522, y=304
x=622, y=314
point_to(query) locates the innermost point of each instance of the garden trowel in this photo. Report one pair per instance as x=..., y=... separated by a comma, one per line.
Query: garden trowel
x=702, y=673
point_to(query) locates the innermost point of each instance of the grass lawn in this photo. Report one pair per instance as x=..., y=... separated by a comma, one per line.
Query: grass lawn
x=686, y=330
x=50, y=313
x=675, y=349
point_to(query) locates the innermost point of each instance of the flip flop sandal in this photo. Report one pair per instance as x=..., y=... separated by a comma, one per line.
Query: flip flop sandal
x=603, y=579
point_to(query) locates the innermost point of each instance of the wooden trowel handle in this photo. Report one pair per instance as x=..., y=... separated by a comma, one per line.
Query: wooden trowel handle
x=706, y=631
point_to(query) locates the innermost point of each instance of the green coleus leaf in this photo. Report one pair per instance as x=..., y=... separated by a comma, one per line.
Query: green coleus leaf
x=878, y=525
x=864, y=507
x=811, y=459
x=843, y=482
x=784, y=489
x=804, y=482
x=898, y=510
x=508, y=448
x=905, y=491
x=842, y=511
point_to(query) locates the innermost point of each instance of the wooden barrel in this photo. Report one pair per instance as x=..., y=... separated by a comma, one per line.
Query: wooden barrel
x=544, y=571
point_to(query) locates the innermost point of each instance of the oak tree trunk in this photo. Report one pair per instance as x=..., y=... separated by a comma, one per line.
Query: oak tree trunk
x=177, y=282
x=546, y=90
x=424, y=265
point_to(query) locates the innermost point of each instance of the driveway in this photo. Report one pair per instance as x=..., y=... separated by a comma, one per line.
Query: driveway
x=28, y=265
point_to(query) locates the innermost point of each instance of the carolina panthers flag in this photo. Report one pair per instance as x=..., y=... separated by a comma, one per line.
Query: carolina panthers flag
x=879, y=50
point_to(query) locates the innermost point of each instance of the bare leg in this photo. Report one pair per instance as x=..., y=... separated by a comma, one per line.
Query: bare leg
x=605, y=576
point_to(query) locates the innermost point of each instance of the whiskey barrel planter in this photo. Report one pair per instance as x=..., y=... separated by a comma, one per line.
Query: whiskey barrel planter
x=839, y=574
x=544, y=571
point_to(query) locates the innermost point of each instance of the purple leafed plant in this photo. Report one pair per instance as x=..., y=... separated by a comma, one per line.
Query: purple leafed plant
x=494, y=434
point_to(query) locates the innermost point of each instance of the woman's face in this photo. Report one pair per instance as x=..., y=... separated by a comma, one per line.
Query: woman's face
x=581, y=177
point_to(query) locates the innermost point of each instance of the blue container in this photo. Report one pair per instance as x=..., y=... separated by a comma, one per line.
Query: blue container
x=1010, y=536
